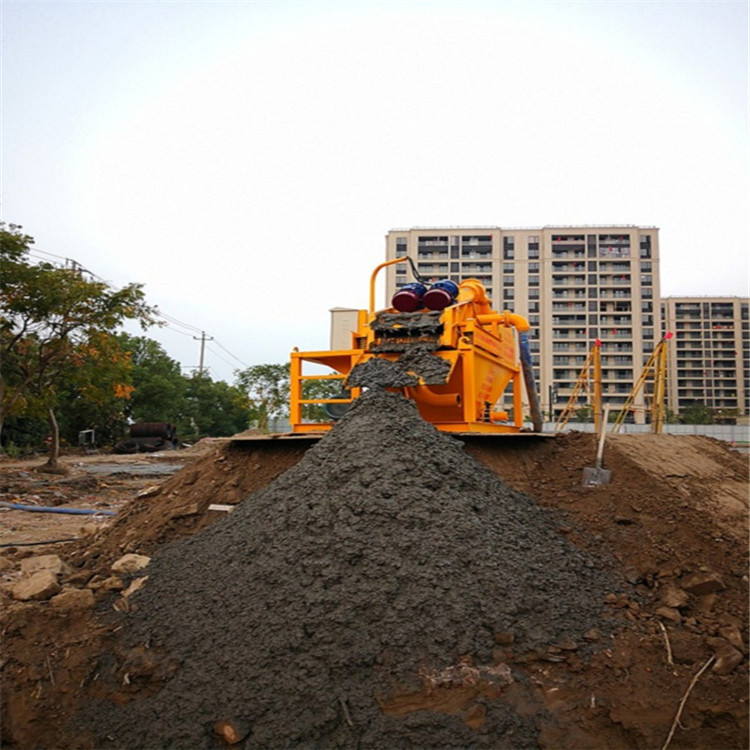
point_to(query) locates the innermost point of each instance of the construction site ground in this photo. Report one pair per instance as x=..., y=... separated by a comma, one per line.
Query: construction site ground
x=670, y=532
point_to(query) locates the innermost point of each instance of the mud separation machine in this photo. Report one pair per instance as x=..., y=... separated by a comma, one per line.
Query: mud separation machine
x=440, y=344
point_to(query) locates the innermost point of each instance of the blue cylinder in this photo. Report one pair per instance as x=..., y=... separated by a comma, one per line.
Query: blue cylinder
x=409, y=297
x=441, y=294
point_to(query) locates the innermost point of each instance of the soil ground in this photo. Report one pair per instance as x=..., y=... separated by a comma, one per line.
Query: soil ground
x=671, y=527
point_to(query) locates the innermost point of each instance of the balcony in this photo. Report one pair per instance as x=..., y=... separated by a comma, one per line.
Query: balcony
x=475, y=254
x=559, y=253
x=609, y=267
x=569, y=320
x=615, y=320
x=562, y=267
x=563, y=281
x=569, y=295
x=568, y=306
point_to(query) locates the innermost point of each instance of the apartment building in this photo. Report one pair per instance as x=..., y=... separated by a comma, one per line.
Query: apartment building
x=575, y=285
x=709, y=361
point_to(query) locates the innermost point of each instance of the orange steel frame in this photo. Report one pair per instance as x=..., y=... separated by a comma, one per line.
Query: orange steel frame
x=479, y=345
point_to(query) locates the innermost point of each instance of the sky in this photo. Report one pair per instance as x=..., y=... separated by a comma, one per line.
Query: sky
x=245, y=160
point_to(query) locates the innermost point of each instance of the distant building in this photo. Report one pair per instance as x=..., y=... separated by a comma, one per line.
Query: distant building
x=709, y=360
x=575, y=285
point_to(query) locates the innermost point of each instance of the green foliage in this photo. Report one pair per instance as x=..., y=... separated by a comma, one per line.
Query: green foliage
x=318, y=389
x=696, y=414
x=212, y=409
x=57, y=337
x=267, y=387
x=159, y=388
x=585, y=413
x=670, y=417
x=24, y=434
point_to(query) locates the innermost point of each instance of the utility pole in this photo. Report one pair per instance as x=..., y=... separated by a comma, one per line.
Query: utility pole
x=203, y=338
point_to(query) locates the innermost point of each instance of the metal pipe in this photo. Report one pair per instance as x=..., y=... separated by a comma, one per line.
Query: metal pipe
x=506, y=318
x=375, y=273
x=426, y=395
x=528, y=377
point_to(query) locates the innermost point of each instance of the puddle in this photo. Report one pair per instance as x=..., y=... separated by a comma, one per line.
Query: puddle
x=133, y=470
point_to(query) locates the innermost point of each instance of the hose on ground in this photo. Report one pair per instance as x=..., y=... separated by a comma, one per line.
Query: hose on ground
x=52, y=509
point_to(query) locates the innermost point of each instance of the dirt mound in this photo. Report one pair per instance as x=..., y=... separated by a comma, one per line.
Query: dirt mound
x=668, y=538
x=384, y=559
x=179, y=507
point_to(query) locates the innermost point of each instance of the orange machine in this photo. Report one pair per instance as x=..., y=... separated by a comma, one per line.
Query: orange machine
x=478, y=350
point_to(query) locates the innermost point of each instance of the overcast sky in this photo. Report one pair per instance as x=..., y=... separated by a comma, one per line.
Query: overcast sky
x=244, y=160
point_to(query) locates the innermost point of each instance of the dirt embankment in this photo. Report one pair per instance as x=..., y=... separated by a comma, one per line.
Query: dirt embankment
x=385, y=590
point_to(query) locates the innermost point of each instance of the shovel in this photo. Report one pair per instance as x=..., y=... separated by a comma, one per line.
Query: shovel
x=596, y=476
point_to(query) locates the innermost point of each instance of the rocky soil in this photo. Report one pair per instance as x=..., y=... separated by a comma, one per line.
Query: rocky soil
x=392, y=588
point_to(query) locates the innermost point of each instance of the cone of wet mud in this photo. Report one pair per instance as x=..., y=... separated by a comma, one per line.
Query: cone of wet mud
x=387, y=556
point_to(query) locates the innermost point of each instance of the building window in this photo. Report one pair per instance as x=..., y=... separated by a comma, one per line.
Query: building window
x=533, y=246
x=533, y=307
x=509, y=248
x=507, y=281
x=614, y=246
x=533, y=293
x=400, y=247
x=533, y=268
x=533, y=281
x=508, y=268
x=646, y=246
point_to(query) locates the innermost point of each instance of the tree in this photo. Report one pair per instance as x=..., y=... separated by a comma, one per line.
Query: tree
x=585, y=413
x=93, y=389
x=52, y=321
x=159, y=388
x=319, y=389
x=696, y=413
x=213, y=409
x=267, y=387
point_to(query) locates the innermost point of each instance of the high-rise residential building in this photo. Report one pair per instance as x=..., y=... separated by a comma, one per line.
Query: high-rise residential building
x=575, y=284
x=709, y=362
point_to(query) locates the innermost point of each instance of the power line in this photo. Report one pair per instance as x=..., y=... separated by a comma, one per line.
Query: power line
x=216, y=354
x=218, y=343
x=76, y=266
x=169, y=318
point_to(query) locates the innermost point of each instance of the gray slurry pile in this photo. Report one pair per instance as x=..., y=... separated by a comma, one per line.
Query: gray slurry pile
x=385, y=554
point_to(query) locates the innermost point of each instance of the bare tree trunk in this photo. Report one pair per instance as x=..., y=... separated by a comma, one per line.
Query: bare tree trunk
x=54, y=448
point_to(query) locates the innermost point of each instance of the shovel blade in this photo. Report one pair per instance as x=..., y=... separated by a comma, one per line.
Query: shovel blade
x=593, y=477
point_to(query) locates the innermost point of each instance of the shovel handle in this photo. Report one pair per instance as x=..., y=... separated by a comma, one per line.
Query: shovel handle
x=602, y=435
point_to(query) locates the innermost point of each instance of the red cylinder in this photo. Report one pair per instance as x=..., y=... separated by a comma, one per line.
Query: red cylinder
x=408, y=298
